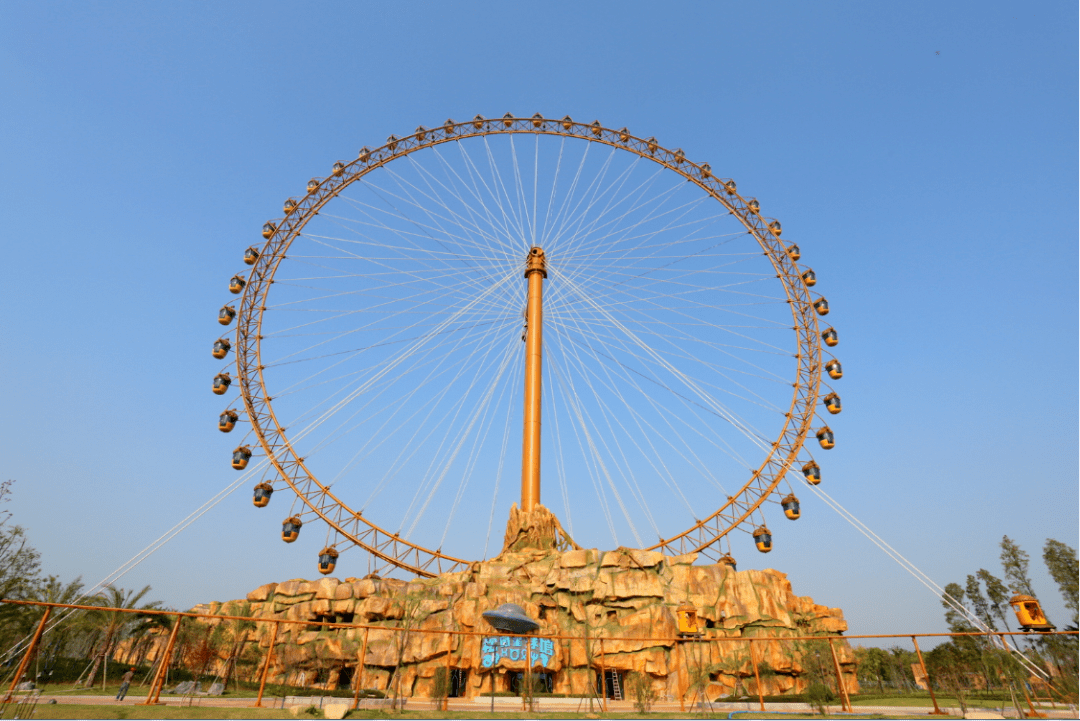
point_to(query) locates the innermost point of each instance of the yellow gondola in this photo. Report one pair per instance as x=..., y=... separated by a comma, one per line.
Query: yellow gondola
x=793, y=252
x=1030, y=614
x=222, y=346
x=753, y=205
x=478, y=121
x=236, y=285
x=829, y=336
x=226, y=315
x=222, y=381
x=624, y=135
x=313, y=185
x=821, y=306
x=537, y=120
x=508, y=120
x=706, y=170
x=268, y=230
x=832, y=403
x=809, y=277
x=730, y=187
x=327, y=560
x=261, y=498
x=834, y=370
x=290, y=529
x=728, y=560
x=825, y=437
x=790, y=504
x=240, y=458
x=686, y=616
x=812, y=472
x=338, y=169
x=596, y=128
x=251, y=255
x=763, y=539
x=775, y=228
x=289, y=206
x=364, y=154
x=227, y=421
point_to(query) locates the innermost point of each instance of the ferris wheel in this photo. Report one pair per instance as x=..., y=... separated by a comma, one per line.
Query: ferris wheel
x=390, y=321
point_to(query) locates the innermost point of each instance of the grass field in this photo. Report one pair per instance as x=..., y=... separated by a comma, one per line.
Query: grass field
x=77, y=711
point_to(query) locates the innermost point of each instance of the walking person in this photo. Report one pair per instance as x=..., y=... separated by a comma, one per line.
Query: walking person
x=125, y=681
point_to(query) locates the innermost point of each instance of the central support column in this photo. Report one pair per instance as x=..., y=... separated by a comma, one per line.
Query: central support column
x=535, y=272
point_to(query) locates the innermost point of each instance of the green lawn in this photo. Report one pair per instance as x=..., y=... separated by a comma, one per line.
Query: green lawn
x=85, y=711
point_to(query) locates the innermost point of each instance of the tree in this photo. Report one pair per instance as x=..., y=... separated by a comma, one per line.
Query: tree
x=998, y=595
x=19, y=566
x=1014, y=561
x=953, y=601
x=979, y=603
x=116, y=623
x=1061, y=562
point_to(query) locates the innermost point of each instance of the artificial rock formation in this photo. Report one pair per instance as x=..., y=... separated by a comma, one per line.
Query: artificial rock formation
x=615, y=598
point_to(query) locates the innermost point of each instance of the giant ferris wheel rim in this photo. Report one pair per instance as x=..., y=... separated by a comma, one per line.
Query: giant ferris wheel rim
x=419, y=560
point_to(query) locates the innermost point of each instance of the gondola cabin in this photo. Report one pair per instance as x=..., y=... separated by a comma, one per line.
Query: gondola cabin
x=537, y=120
x=829, y=336
x=290, y=529
x=832, y=403
x=821, y=306
x=221, y=348
x=825, y=438
x=706, y=170
x=763, y=539
x=730, y=187
x=834, y=370
x=686, y=616
x=222, y=381
x=1030, y=614
x=338, y=169
x=263, y=491
x=793, y=252
x=790, y=504
x=775, y=228
x=327, y=560
x=753, y=205
x=240, y=458
x=268, y=230
x=227, y=421
x=812, y=472
x=508, y=119
x=728, y=560
x=810, y=277
x=313, y=185
x=236, y=285
x=365, y=152
x=624, y=135
x=251, y=255
x=289, y=206
x=226, y=315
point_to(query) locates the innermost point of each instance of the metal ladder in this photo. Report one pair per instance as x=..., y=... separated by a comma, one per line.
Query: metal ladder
x=617, y=692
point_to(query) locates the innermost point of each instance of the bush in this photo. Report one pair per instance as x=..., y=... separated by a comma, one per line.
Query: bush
x=642, y=691
x=817, y=695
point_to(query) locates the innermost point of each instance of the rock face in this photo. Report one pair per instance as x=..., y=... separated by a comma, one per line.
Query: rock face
x=615, y=610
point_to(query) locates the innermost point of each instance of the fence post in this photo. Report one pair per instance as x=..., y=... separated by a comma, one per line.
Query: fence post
x=29, y=652
x=840, y=686
x=360, y=670
x=926, y=675
x=757, y=676
x=449, y=670
x=163, y=666
x=266, y=662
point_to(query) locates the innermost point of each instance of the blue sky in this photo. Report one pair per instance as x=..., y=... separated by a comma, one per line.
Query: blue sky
x=924, y=156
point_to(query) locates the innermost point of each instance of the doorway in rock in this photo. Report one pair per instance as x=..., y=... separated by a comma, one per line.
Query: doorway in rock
x=345, y=677
x=613, y=685
x=458, y=679
x=542, y=682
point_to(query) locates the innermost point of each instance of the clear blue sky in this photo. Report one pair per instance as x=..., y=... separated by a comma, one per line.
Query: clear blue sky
x=924, y=155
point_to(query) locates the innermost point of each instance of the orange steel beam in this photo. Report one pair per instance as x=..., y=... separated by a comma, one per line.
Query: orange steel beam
x=163, y=666
x=840, y=685
x=926, y=675
x=266, y=663
x=535, y=272
x=29, y=652
x=757, y=676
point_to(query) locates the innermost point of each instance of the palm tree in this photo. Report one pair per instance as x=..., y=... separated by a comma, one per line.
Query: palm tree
x=117, y=624
x=235, y=632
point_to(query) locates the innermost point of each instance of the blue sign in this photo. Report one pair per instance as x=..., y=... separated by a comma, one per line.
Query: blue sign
x=495, y=648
